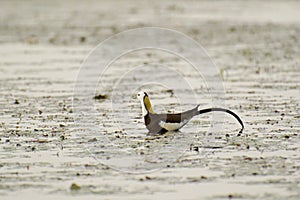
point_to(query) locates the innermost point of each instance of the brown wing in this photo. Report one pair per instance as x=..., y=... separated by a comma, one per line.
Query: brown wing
x=180, y=117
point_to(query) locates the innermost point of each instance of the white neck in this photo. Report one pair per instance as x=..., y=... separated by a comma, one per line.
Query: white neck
x=144, y=111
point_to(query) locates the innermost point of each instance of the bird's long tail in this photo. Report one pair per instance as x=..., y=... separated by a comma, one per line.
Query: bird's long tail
x=202, y=111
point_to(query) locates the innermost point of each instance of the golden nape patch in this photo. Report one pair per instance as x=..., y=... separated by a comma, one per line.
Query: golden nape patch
x=148, y=104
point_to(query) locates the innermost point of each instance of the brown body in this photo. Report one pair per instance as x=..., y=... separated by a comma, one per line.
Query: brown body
x=158, y=123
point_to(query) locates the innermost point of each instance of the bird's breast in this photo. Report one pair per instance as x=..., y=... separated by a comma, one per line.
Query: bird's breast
x=172, y=126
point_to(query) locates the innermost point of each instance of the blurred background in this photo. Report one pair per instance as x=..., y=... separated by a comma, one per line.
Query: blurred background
x=255, y=44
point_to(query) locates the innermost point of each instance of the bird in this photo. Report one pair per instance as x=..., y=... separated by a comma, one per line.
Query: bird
x=162, y=123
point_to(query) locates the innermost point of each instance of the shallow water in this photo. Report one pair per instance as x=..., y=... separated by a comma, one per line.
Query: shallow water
x=44, y=149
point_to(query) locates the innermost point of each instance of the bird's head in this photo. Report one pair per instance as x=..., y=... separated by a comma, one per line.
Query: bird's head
x=141, y=95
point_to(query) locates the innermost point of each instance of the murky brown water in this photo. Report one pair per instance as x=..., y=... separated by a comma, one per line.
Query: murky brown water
x=43, y=152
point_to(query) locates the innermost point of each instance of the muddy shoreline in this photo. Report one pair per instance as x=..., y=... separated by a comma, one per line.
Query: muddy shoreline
x=45, y=154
